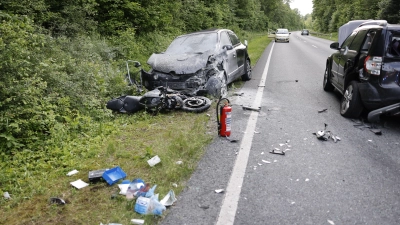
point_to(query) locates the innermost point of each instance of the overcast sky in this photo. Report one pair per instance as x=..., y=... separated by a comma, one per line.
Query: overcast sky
x=304, y=6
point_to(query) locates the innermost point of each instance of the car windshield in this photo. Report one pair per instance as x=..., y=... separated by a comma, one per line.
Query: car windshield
x=196, y=43
x=282, y=31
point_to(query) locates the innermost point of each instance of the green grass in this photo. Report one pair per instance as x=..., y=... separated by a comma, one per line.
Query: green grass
x=329, y=36
x=127, y=141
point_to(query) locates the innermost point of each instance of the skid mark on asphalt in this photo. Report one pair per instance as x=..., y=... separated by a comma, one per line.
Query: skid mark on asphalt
x=231, y=200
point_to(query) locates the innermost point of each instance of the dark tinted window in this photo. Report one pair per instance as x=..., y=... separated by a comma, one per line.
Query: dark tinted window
x=235, y=40
x=393, y=46
x=358, y=40
x=225, y=39
x=368, y=40
x=348, y=40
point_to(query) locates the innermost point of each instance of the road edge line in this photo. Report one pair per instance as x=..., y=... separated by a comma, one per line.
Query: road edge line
x=230, y=202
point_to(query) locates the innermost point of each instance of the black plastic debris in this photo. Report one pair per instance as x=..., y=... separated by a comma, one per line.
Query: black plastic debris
x=362, y=125
x=231, y=140
x=251, y=108
x=277, y=151
x=58, y=201
x=322, y=110
x=376, y=131
x=96, y=175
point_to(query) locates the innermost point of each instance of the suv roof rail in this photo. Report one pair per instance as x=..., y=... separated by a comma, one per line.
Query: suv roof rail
x=375, y=22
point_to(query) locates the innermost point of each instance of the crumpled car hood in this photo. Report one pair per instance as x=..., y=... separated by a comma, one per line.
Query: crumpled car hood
x=179, y=63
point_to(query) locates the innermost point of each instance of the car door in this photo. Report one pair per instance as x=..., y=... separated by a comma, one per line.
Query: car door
x=349, y=56
x=336, y=70
x=230, y=62
x=240, y=55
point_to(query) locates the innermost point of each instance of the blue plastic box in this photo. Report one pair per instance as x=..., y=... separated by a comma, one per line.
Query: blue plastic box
x=113, y=175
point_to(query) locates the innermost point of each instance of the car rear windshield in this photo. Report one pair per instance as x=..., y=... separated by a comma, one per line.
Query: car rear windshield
x=196, y=43
x=393, y=44
x=282, y=31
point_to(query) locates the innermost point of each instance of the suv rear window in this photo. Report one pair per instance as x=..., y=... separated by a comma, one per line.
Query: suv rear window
x=393, y=45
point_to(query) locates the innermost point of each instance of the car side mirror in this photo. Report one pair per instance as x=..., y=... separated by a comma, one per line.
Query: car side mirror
x=334, y=45
x=227, y=47
x=245, y=42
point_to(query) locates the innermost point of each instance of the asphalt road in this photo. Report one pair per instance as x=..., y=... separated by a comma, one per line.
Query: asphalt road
x=353, y=181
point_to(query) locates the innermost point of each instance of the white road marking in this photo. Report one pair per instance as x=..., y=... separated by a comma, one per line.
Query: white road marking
x=314, y=46
x=231, y=200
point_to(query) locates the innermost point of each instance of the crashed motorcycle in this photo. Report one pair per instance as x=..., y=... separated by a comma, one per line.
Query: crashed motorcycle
x=160, y=99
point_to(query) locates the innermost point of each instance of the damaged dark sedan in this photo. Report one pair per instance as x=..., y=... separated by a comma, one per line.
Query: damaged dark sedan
x=200, y=63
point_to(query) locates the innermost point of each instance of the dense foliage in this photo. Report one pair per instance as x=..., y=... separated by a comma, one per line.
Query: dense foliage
x=329, y=15
x=62, y=60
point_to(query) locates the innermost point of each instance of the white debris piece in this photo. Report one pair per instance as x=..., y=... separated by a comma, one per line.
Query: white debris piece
x=72, y=172
x=79, y=184
x=6, y=195
x=169, y=199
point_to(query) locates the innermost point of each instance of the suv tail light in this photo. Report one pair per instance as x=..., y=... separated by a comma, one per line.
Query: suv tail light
x=373, y=65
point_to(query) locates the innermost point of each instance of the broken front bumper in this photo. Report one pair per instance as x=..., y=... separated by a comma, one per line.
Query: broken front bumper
x=189, y=83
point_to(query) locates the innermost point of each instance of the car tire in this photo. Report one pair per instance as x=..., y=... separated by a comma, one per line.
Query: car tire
x=327, y=84
x=247, y=74
x=351, y=105
x=196, y=104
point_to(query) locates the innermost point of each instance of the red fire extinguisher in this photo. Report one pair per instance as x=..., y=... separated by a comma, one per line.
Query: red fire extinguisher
x=224, y=119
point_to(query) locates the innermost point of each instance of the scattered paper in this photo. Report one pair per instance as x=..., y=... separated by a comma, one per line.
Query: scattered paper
x=79, y=184
x=137, y=221
x=123, y=188
x=6, y=195
x=153, y=161
x=169, y=199
x=72, y=172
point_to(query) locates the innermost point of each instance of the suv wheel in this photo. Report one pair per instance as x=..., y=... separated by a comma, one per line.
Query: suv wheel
x=350, y=105
x=327, y=85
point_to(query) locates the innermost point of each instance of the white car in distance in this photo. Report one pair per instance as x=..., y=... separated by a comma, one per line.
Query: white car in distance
x=282, y=35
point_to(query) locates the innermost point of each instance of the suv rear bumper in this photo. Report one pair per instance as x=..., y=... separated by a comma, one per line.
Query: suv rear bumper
x=374, y=97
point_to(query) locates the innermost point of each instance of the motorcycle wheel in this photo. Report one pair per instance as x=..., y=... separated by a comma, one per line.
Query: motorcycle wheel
x=196, y=104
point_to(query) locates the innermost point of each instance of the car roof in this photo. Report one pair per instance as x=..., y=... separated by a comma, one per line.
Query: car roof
x=211, y=30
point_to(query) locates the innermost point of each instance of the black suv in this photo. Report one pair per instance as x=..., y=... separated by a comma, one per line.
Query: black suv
x=366, y=70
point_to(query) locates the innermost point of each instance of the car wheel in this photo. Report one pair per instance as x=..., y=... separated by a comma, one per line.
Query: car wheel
x=350, y=105
x=247, y=75
x=196, y=104
x=327, y=84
